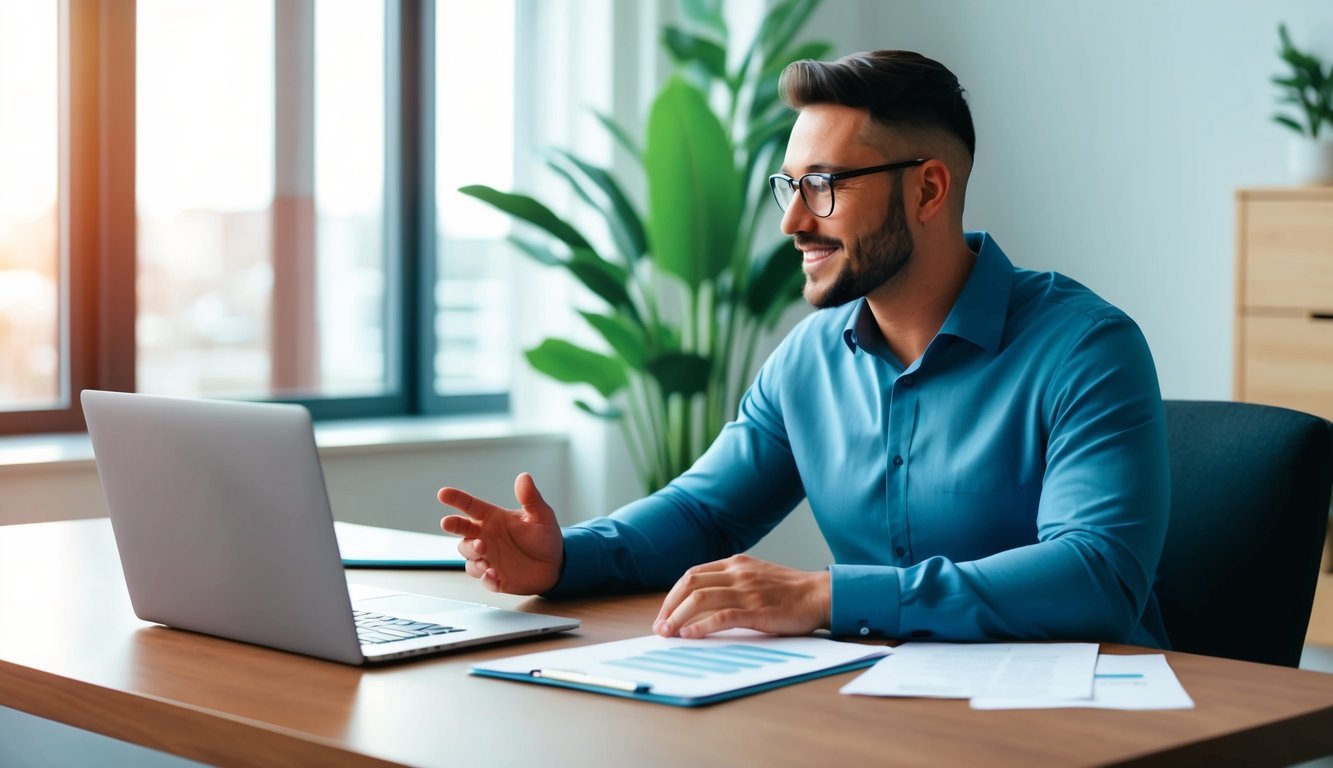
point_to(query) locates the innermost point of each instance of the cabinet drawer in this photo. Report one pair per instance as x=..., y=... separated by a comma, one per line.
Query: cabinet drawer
x=1287, y=254
x=1288, y=361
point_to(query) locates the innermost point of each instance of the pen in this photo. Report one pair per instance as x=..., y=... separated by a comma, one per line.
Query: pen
x=567, y=676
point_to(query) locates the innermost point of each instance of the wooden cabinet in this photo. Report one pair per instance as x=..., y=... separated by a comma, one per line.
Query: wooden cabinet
x=1284, y=298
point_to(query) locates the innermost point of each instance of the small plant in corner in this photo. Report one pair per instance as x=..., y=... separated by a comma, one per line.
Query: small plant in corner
x=1309, y=87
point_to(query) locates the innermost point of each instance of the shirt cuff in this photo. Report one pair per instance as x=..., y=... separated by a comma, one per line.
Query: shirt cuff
x=583, y=567
x=864, y=600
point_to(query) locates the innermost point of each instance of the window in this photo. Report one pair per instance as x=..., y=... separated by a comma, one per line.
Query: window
x=471, y=322
x=244, y=206
x=30, y=327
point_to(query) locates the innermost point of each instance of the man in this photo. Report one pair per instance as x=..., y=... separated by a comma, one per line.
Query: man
x=983, y=447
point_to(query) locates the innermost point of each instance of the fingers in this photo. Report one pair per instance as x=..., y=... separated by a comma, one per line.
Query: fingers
x=472, y=549
x=466, y=503
x=671, y=616
x=525, y=491
x=460, y=526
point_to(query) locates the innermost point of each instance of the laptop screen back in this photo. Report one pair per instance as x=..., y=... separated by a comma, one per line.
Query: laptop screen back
x=222, y=520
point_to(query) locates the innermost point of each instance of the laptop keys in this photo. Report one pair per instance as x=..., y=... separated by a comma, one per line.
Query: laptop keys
x=377, y=628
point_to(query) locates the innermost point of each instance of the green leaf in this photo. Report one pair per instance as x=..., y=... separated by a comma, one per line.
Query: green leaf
x=694, y=200
x=542, y=254
x=529, y=210
x=607, y=280
x=816, y=50
x=572, y=364
x=779, y=125
x=624, y=335
x=680, y=373
x=621, y=216
x=1292, y=124
x=706, y=14
x=769, y=276
x=767, y=94
x=610, y=413
x=687, y=49
x=621, y=136
x=782, y=24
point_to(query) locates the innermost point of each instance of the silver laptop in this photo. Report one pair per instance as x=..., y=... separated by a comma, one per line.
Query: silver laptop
x=223, y=524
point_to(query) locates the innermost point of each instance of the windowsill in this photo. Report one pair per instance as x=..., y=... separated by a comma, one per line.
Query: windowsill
x=344, y=437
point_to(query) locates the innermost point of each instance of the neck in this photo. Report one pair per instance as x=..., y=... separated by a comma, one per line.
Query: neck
x=911, y=308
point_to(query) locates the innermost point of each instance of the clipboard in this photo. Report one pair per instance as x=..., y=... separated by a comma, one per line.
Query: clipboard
x=368, y=546
x=686, y=673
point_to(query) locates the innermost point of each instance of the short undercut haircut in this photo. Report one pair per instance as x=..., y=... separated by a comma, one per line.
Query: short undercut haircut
x=900, y=89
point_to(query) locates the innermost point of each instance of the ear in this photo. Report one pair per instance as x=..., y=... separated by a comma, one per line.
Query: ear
x=933, y=190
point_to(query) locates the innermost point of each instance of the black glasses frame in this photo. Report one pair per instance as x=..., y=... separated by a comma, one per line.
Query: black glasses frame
x=798, y=185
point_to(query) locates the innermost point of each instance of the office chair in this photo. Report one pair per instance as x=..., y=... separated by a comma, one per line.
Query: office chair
x=1249, y=508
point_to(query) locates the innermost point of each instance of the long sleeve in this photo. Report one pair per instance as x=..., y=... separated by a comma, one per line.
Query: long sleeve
x=742, y=487
x=1100, y=523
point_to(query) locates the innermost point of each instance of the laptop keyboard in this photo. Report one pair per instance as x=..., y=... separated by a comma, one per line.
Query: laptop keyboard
x=378, y=628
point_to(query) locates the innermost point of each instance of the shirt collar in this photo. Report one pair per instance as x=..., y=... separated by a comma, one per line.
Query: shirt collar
x=977, y=316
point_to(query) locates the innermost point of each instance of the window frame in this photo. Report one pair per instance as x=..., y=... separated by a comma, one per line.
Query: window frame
x=98, y=240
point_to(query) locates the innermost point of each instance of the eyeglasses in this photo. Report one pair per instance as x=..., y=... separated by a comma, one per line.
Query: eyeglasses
x=817, y=188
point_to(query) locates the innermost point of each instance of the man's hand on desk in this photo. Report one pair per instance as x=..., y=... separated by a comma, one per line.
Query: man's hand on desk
x=744, y=592
x=511, y=550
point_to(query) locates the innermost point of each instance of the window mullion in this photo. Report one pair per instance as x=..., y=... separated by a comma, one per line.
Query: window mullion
x=293, y=312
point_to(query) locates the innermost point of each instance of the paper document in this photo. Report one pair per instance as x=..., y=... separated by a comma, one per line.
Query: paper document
x=724, y=662
x=1122, y=682
x=967, y=670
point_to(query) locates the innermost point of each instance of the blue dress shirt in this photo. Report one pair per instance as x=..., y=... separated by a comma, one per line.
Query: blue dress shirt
x=1010, y=483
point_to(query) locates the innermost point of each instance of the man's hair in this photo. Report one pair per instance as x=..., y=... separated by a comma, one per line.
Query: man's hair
x=901, y=89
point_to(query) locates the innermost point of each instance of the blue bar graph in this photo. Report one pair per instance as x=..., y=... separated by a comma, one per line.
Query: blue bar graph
x=700, y=662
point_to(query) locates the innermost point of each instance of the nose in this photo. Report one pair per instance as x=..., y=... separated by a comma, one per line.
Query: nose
x=797, y=217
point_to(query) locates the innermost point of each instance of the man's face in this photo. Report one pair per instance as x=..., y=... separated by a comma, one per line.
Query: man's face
x=865, y=242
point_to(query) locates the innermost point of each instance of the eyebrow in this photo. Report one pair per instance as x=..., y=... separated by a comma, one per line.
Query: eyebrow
x=818, y=168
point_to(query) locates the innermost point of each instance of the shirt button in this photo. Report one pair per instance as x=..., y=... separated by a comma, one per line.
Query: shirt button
x=907, y=381
x=899, y=551
x=865, y=630
x=897, y=461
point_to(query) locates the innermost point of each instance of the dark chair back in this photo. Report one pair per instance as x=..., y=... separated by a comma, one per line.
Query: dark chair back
x=1249, y=508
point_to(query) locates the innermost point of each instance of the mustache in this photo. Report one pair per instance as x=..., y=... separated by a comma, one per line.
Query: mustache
x=805, y=240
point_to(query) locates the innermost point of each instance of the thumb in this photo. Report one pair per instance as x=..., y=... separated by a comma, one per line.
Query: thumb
x=536, y=508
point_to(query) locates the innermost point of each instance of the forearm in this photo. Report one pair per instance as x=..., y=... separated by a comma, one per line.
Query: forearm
x=647, y=544
x=1060, y=589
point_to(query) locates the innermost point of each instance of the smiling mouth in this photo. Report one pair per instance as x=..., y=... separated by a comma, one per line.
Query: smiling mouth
x=813, y=257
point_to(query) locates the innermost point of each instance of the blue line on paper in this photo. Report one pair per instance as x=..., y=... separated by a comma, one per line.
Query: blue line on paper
x=686, y=659
x=643, y=664
x=762, y=654
x=714, y=655
x=1122, y=676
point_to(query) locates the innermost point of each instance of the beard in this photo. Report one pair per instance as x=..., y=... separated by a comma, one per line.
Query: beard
x=873, y=260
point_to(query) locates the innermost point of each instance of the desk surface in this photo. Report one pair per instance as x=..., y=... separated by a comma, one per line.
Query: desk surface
x=71, y=650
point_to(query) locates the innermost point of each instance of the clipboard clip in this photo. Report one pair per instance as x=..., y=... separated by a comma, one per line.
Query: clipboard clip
x=593, y=681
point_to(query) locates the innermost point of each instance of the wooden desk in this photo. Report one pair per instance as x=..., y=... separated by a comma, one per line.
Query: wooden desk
x=71, y=650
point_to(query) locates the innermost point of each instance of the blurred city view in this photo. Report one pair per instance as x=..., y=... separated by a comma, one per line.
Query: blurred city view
x=207, y=194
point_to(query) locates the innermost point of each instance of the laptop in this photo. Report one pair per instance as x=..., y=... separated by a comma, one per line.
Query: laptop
x=223, y=525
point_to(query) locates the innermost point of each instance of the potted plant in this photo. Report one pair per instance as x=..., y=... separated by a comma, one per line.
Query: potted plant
x=1309, y=87
x=691, y=282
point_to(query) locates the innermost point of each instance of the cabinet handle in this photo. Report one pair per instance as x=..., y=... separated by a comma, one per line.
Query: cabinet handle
x=1321, y=315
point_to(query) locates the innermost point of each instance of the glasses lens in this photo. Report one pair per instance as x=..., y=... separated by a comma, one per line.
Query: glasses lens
x=782, y=190
x=818, y=194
